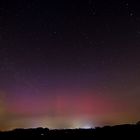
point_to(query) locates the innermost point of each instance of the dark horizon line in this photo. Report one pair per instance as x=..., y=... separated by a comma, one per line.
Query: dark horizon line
x=80, y=128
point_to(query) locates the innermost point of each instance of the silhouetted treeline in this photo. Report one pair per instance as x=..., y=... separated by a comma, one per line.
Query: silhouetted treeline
x=106, y=132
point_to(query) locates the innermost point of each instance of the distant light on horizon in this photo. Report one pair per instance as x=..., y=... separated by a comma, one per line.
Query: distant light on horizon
x=83, y=124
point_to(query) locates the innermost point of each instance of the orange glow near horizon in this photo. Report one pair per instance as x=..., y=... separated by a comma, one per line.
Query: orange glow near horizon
x=64, y=111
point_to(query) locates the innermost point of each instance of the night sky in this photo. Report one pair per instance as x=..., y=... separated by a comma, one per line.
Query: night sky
x=69, y=64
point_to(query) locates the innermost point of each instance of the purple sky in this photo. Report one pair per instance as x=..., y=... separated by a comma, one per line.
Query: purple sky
x=69, y=64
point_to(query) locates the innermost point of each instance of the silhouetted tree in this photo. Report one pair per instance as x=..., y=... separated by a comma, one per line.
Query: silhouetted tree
x=138, y=123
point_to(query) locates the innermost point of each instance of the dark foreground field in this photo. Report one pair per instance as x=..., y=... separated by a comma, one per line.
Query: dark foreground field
x=115, y=132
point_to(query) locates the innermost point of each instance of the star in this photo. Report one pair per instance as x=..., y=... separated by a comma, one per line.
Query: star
x=55, y=32
x=127, y=4
x=131, y=14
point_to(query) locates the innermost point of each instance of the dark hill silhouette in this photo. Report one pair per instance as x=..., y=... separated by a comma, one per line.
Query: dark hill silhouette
x=106, y=132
